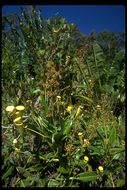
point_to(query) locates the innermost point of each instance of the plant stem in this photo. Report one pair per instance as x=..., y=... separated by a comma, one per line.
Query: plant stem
x=112, y=180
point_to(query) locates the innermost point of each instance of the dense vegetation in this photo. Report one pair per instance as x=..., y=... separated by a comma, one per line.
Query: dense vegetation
x=63, y=98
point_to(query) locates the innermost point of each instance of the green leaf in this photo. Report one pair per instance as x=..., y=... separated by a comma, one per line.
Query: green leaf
x=100, y=133
x=53, y=183
x=109, y=88
x=86, y=176
x=116, y=156
x=67, y=127
x=112, y=137
x=78, y=155
x=36, y=91
x=8, y=172
x=63, y=170
x=86, y=99
x=34, y=168
x=22, y=184
x=95, y=150
x=120, y=183
x=80, y=86
x=49, y=157
x=76, y=142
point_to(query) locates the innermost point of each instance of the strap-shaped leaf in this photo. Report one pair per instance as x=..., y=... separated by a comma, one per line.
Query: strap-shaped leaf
x=86, y=99
x=86, y=176
x=112, y=137
x=8, y=172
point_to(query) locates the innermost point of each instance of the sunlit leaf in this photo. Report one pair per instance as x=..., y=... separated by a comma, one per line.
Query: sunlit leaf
x=53, y=183
x=86, y=176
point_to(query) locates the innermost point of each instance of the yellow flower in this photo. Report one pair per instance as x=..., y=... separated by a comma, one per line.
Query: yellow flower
x=18, y=120
x=100, y=168
x=86, y=143
x=11, y=130
x=59, y=97
x=17, y=150
x=80, y=134
x=98, y=107
x=78, y=111
x=67, y=59
x=19, y=124
x=86, y=159
x=69, y=108
x=10, y=108
x=15, y=141
x=20, y=108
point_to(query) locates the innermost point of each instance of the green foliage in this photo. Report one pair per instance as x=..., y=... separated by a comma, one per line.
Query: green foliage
x=72, y=88
x=85, y=177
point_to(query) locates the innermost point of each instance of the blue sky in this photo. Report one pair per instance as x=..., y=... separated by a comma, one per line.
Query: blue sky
x=87, y=18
